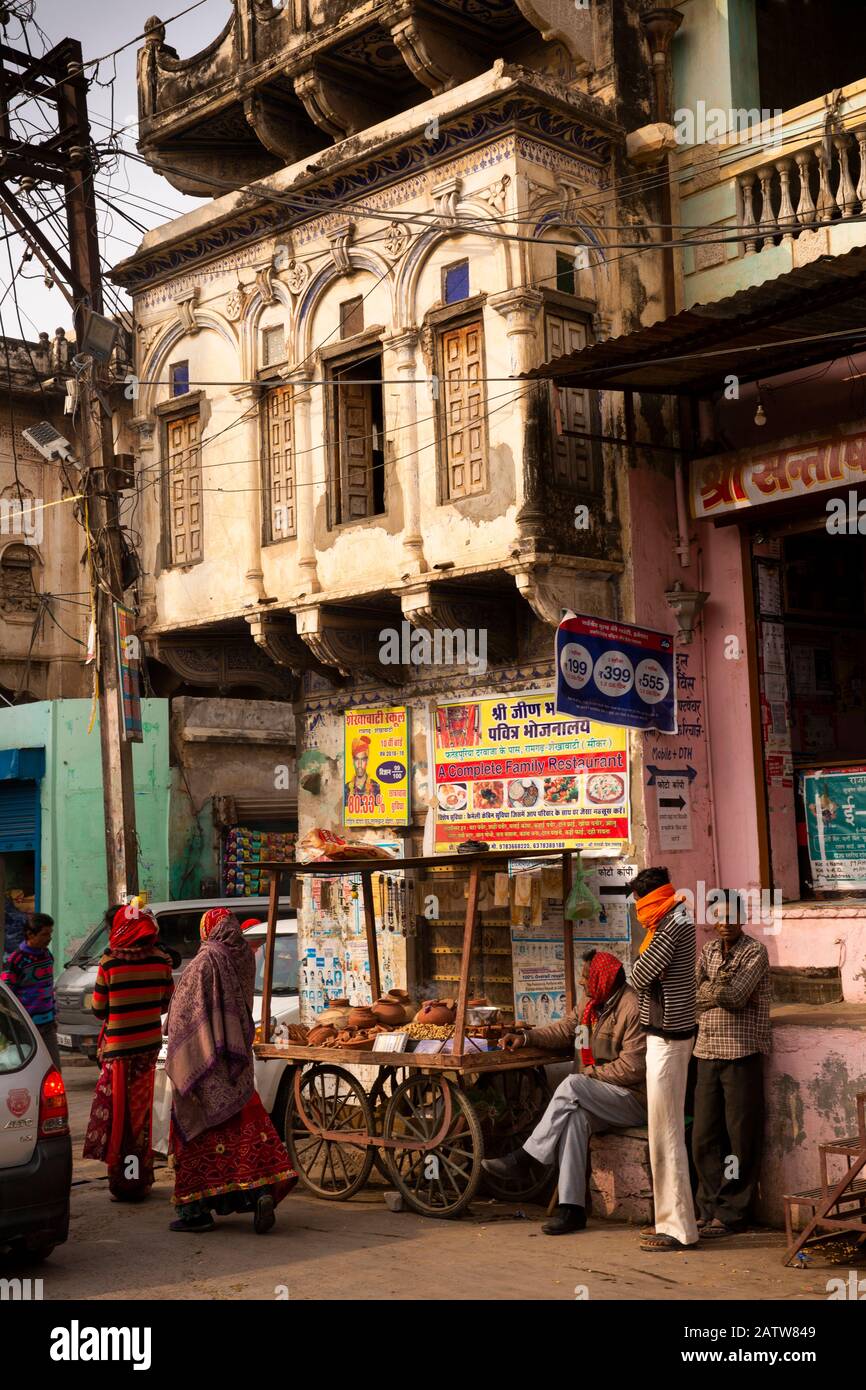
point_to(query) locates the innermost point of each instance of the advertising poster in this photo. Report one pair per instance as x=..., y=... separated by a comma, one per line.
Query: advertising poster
x=376, y=766
x=836, y=827
x=512, y=772
x=129, y=664
x=617, y=673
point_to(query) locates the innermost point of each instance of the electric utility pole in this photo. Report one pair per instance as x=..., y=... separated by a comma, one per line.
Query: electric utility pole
x=65, y=159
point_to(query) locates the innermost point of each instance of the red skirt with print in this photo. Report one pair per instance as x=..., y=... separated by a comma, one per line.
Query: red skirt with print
x=245, y=1152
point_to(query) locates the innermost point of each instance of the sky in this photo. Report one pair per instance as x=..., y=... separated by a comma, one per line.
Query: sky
x=100, y=26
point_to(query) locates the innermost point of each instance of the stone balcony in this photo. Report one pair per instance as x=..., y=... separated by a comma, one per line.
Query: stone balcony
x=774, y=196
x=282, y=82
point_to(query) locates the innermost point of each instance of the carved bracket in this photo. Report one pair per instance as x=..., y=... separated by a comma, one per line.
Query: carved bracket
x=220, y=662
x=184, y=304
x=438, y=57
x=335, y=106
x=340, y=239
x=348, y=640
x=446, y=196
x=453, y=613
x=548, y=589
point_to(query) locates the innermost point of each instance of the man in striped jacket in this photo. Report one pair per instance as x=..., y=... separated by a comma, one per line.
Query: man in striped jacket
x=664, y=978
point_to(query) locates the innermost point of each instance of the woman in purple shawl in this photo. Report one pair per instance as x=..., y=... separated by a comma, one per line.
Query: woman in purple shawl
x=227, y=1154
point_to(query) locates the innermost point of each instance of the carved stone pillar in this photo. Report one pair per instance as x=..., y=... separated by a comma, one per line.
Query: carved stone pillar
x=308, y=465
x=403, y=349
x=520, y=310
x=248, y=437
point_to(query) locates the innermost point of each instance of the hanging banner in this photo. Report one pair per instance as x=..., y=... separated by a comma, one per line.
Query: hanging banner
x=129, y=666
x=836, y=827
x=376, y=766
x=617, y=673
x=509, y=772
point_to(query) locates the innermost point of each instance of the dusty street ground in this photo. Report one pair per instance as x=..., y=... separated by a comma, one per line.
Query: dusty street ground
x=360, y=1250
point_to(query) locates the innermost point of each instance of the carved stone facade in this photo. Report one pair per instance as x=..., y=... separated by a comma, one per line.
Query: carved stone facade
x=43, y=586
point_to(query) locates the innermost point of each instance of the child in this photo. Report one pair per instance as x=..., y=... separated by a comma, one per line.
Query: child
x=29, y=973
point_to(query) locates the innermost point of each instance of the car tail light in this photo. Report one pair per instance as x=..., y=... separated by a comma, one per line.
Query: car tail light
x=53, y=1110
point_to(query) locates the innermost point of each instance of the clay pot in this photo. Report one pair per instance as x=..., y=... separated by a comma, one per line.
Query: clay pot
x=437, y=1011
x=362, y=1016
x=336, y=1014
x=321, y=1034
x=389, y=1011
x=401, y=995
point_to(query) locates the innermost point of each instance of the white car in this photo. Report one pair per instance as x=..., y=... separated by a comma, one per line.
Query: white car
x=285, y=1008
x=35, y=1147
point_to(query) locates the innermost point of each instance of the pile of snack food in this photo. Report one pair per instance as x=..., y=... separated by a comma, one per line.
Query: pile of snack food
x=244, y=852
x=320, y=845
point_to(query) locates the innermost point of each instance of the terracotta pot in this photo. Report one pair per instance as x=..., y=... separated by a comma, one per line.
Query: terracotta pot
x=322, y=1033
x=389, y=1011
x=401, y=995
x=362, y=1016
x=437, y=1011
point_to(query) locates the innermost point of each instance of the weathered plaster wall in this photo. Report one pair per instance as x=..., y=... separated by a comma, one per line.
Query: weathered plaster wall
x=811, y=1079
x=73, y=879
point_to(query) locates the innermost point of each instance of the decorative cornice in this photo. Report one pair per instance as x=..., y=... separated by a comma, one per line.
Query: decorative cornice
x=547, y=123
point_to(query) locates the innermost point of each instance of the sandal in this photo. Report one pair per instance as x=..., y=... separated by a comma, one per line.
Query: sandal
x=711, y=1230
x=663, y=1242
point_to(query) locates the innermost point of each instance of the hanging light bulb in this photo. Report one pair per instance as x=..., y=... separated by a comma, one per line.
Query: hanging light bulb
x=760, y=412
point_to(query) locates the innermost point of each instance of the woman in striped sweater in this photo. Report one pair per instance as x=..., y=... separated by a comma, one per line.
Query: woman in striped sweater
x=132, y=991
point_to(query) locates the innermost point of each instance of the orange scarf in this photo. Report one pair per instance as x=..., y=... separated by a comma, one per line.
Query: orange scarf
x=651, y=908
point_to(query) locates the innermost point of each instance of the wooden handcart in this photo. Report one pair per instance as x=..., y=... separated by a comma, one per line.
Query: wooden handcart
x=428, y=1119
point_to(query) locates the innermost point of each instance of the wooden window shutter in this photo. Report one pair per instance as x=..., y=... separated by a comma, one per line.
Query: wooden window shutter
x=280, y=463
x=355, y=412
x=184, y=489
x=463, y=410
x=572, y=458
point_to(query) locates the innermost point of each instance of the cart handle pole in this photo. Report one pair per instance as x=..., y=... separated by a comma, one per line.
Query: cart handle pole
x=270, y=944
x=568, y=932
x=466, y=958
x=370, y=929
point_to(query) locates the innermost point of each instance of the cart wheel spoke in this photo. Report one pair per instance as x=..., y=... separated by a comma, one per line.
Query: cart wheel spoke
x=335, y=1102
x=438, y=1181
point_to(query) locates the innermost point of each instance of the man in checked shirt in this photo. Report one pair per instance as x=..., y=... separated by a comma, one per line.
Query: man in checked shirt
x=733, y=1004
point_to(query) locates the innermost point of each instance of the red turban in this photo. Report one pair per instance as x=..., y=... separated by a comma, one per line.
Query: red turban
x=132, y=927
x=361, y=744
x=601, y=977
x=250, y=922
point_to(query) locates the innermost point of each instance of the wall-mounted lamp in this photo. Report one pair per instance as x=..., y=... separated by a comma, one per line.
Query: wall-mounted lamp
x=686, y=605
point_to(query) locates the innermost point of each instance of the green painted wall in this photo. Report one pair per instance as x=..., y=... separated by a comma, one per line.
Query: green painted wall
x=715, y=55
x=73, y=888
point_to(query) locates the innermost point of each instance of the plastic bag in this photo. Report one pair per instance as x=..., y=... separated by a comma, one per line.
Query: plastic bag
x=580, y=903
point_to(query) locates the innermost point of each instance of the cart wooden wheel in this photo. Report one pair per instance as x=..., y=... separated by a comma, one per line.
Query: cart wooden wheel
x=382, y=1090
x=333, y=1101
x=517, y=1100
x=441, y=1180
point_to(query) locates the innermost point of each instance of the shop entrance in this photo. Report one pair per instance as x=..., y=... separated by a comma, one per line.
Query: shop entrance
x=810, y=597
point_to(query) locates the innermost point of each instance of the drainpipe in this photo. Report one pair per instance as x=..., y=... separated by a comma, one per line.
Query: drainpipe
x=660, y=24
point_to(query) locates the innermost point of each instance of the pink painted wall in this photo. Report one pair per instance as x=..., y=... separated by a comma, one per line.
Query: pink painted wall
x=823, y=936
x=810, y=1081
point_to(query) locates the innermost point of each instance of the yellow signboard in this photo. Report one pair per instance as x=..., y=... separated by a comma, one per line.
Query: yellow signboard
x=376, y=766
x=513, y=772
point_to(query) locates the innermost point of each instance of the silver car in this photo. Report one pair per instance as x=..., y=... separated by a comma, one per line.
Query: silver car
x=77, y=1028
x=35, y=1147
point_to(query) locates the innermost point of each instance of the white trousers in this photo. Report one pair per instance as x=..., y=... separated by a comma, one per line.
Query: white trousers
x=667, y=1065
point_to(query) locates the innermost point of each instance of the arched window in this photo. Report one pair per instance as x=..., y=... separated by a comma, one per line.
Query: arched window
x=17, y=584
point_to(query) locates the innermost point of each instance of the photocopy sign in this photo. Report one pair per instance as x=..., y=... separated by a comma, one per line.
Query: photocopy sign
x=615, y=673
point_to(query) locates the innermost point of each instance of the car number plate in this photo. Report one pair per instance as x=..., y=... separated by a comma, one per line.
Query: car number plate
x=64, y=1039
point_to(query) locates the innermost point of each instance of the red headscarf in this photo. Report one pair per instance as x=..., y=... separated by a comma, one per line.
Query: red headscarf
x=211, y=919
x=132, y=928
x=601, y=976
x=250, y=922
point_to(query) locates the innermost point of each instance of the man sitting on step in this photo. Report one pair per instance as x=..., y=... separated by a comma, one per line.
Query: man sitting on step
x=606, y=1090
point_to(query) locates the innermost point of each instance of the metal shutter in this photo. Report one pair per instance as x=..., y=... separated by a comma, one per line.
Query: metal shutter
x=19, y=816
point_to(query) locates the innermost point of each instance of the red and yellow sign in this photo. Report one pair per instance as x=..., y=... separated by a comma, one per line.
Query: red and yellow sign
x=749, y=479
x=376, y=766
x=514, y=773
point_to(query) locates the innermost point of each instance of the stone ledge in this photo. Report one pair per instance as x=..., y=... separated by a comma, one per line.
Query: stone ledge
x=840, y=1015
x=620, y=1182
